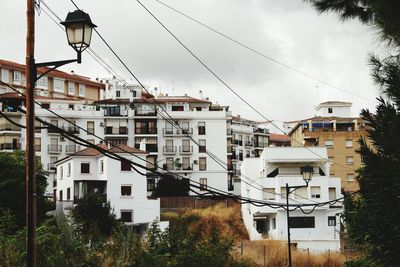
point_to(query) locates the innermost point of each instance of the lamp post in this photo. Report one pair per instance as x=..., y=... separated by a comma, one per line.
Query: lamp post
x=307, y=173
x=79, y=31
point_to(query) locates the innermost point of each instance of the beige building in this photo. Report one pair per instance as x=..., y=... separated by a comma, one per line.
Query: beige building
x=336, y=130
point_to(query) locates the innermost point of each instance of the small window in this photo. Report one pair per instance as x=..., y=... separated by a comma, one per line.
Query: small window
x=60, y=197
x=85, y=167
x=302, y=222
x=17, y=77
x=350, y=177
x=58, y=85
x=126, y=190
x=71, y=107
x=68, y=193
x=134, y=93
x=268, y=193
x=202, y=146
x=332, y=193
x=202, y=164
x=177, y=108
x=330, y=110
x=61, y=172
x=273, y=223
x=329, y=143
x=203, y=184
x=90, y=127
x=315, y=192
x=126, y=215
x=283, y=192
x=69, y=169
x=202, y=127
x=118, y=94
x=71, y=88
x=82, y=89
x=350, y=160
x=349, y=143
x=101, y=166
x=331, y=220
x=126, y=165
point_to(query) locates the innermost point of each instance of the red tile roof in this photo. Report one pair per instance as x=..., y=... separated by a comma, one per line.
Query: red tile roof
x=279, y=138
x=15, y=95
x=91, y=152
x=168, y=99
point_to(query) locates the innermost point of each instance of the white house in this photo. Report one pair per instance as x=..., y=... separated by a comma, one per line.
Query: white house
x=317, y=231
x=89, y=171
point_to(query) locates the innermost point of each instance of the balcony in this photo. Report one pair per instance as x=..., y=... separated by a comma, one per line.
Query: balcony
x=249, y=143
x=69, y=129
x=116, y=130
x=237, y=142
x=149, y=147
x=140, y=113
x=234, y=156
x=261, y=131
x=10, y=146
x=178, y=168
x=69, y=149
x=9, y=128
x=145, y=130
x=169, y=150
x=177, y=132
x=228, y=132
x=115, y=112
x=185, y=149
x=54, y=148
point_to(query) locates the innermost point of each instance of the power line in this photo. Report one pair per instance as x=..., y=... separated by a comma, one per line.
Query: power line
x=226, y=85
x=265, y=56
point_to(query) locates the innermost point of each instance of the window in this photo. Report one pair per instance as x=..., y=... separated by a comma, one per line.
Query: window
x=90, y=127
x=151, y=184
x=350, y=177
x=85, y=167
x=202, y=146
x=60, y=197
x=203, y=184
x=126, y=165
x=68, y=193
x=126, y=190
x=177, y=108
x=350, y=160
x=302, y=222
x=331, y=220
x=170, y=163
x=273, y=225
x=332, y=193
x=330, y=110
x=69, y=169
x=101, y=166
x=329, y=143
x=118, y=94
x=126, y=215
x=58, y=85
x=186, y=163
x=169, y=146
x=71, y=88
x=61, y=172
x=17, y=77
x=186, y=145
x=349, y=143
x=4, y=75
x=300, y=193
x=134, y=93
x=315, y=192
x=283, y=192
x=82, y=89
x=42, y=82
x=38, y=143
x=202, y=164
x=71, y=107
x=268, y=193
x=202, y=127
x=331, y=160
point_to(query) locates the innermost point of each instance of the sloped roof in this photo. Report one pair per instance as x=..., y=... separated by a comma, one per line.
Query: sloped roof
x=279, y=138
x=91, y=152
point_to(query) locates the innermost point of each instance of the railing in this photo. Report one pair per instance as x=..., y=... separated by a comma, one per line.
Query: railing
x=10, y=127
x=238, y=142
x=115, y=113
x=69, y=129
x=54, y=148
x=113, y=130
x=71, y=148
x=149, y=147
x=173, y=132
x=181, y=167
x=186, y=149
x=261, y=130
x=145, y=130
x=10, y=146
x=248, y=143
x=144, y=113
x=169, y=149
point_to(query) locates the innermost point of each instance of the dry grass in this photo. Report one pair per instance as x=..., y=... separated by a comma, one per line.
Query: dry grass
x=276, y=255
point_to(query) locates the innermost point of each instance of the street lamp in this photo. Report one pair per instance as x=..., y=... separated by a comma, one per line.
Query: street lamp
x=307, y=173
x=78, y=26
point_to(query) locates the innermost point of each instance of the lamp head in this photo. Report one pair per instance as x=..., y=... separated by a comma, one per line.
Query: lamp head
x=307, y=173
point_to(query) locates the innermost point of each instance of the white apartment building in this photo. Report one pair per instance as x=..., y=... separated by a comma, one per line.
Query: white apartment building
x=88, y=171
x=317, y=231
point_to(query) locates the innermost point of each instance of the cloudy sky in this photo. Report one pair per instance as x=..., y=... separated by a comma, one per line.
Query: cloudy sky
x=289, y=31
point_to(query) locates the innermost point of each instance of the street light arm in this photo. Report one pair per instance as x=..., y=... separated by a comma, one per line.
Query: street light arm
x=55, y=64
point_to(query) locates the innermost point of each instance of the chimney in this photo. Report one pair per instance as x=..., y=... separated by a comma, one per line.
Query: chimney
x=207, y=98
x=155, y=91
x=72, y=72
x=97, y=79
x=185, y=94
x=201, y=94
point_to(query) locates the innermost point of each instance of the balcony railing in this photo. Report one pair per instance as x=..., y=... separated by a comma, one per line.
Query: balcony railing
x=177, y=132
x=261, y=131
x=145, y=113
x=115, y=113
x=10, y=127
x=182, y=167
x=10, y=146
x=116, y=130
x=149, y=147
x=238, y=142
x=186, y=149
x=69, y=129
x=169, y=150
x=249, y=143
x=71, y=149
x=54, y=148
x=145, y=130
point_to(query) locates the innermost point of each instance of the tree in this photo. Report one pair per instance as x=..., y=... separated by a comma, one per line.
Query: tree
x=171, y=186
x=12, y=188
x=373, y=216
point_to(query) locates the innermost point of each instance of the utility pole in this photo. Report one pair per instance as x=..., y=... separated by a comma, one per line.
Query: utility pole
x=30, y=137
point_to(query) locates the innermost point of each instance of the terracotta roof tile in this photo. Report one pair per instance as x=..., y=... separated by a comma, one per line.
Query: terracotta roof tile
x=279, y=138
x=91, y=152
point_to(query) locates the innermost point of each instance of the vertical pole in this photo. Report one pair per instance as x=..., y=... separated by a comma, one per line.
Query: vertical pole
x=30, y=137
x=288, y=227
